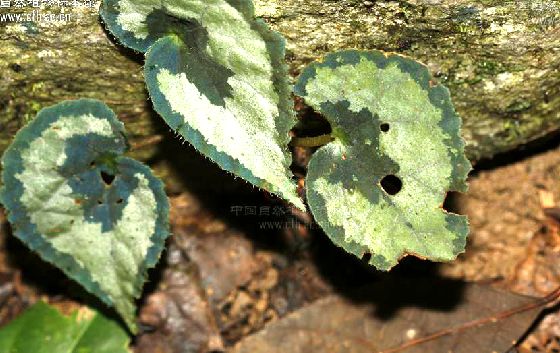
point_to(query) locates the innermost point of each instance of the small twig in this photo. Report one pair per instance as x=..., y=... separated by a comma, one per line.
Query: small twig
x=148, y=141
x=549, y=298
x=18, y=283
x=314, y=141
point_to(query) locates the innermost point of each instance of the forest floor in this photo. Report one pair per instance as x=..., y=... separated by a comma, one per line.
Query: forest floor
x=239, y=261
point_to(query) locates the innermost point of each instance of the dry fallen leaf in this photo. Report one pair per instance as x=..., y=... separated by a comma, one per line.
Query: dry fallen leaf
x=389, y=314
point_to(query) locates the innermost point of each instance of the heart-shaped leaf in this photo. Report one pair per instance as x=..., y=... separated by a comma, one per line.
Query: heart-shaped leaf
x=217, y=76
x=379, y=187
x=43, y=329
x=71, y=197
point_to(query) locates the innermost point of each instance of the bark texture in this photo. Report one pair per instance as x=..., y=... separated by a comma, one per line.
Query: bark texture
x=500, y=59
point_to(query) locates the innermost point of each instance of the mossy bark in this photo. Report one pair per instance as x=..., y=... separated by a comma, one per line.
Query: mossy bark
x=500, y=59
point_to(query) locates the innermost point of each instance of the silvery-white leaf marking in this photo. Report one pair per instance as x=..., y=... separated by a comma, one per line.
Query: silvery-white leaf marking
x=358, y=92
x=218, y=77
x=49, y=213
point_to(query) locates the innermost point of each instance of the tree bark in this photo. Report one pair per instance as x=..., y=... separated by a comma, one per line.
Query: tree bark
x=500, y=59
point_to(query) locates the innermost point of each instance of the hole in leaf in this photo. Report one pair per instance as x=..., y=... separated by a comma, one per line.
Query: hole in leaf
x=99, y=202
x=92, y=164
x=120, y=201
x=391, y=184
x=366, y=257
x=107, y=178
x=452, y=202
x=384, y=127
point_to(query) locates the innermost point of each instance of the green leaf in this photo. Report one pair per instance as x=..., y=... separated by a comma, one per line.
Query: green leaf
x=43, y=329
x=217, y=76
x=71, y=197
x=390, y=120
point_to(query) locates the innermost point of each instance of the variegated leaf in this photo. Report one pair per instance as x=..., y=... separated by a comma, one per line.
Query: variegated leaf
x=390, y=121
x=217, y=76
x=71, y=197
